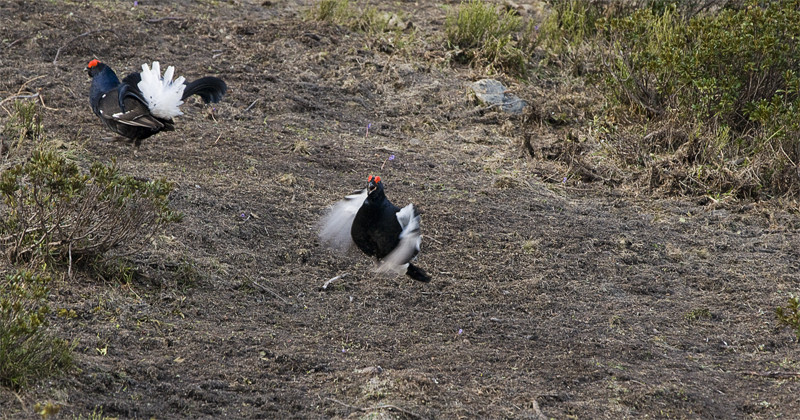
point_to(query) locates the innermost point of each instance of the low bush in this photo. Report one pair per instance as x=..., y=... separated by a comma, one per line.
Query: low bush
x=729, y=78
x=52, y=211
x=27, y=350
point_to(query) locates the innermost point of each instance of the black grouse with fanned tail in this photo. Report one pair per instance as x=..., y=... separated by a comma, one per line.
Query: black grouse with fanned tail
x=144, y=104
x=378, y=228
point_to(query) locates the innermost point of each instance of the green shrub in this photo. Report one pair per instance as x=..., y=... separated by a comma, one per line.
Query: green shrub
x=790, y=315
x=569, y=24
x=27, y=351
x=23, y=123
x=54, y=212
x=729, y=78
x=482, y=35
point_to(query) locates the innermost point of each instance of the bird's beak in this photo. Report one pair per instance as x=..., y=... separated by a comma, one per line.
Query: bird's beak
x=372, y=186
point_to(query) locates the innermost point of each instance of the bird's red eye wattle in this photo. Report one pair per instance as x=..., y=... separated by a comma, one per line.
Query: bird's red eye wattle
x=377, y=179
x=370, y=178
x=93, y=63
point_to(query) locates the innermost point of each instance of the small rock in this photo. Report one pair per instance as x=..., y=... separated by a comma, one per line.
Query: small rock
x=492, y=93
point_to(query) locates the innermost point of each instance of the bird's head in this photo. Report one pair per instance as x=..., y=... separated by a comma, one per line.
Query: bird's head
x=374, y=186
x=94, y=67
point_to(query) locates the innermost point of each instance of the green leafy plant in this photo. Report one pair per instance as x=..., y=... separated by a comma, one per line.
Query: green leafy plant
x=482, y=35
x=53, y=211
x=569, y=24
x=27, y=351
x=789, y=315
x=727, y=79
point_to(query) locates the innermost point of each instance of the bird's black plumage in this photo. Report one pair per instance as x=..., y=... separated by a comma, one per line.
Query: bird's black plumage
x=124, y=109
x=378, y=228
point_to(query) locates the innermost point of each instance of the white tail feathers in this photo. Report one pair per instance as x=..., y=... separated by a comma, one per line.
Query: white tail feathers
x=335, y=226
x=410, y=241
x=163, y=95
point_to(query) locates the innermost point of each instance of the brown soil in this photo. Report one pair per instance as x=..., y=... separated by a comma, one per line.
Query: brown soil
x=568, y=300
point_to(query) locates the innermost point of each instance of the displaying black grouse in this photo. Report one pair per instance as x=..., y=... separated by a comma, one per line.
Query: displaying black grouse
x=378, y=228
x=145, y=103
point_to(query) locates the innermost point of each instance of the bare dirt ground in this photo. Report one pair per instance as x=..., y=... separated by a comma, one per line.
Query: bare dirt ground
x=574, y=300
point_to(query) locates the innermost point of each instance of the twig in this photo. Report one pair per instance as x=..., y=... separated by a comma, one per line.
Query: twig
x=346, y=404
x=251, y=105
x=432, y=238
x=164, y=18
x=55, y=60
x=41, y=99
x=17, y=40
x=377, y=407
x=327, y=283
x=773, y=374
x=272, y=292
x=19, y=97
x=69, y=269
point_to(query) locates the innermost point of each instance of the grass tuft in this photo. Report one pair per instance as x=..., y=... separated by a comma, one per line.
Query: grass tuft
x=482, y=35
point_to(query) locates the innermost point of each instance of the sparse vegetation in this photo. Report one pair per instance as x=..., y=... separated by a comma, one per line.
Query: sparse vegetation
x=365, y=19
x=481, y=34
x=25, y=122
x=789, y=315
x=54, y=212
x=569, y=24
x=27, y=350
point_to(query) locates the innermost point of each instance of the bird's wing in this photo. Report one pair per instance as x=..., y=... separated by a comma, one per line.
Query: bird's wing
x=410, y=241
x=124, y=107
x=335, y=225
x=136, y=114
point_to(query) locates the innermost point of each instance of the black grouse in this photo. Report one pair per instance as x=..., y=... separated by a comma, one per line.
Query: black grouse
x=378, y=228
x=145, y=103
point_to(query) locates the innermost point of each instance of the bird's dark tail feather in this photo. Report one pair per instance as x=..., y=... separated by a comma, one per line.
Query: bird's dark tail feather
x=210, y=88
x=417, y=273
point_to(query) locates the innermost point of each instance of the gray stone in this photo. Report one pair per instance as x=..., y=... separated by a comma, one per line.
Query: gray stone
x=492, y=93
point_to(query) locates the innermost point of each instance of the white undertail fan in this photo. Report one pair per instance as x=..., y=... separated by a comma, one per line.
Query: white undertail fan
x=164, y=96
x=410, y=242
x=336, y=224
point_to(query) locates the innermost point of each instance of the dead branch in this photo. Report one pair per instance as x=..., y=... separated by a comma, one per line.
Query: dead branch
x=272, y=292
x=772, y=374
x=251, y=105
x=327, y=283
x=58, y=52
x=178, y=18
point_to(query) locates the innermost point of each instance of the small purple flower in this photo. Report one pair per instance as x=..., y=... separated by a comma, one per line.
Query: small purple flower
x=344, y=351
x=564, y=181
x=135, y=3
x=391, y=157
x=242, y=215
x=460, y=331
x=536, y=28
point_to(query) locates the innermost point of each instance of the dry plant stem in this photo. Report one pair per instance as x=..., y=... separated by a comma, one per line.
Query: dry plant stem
x=377, y=407
x=327, y=283
x=178, y=18
x=272, y=292
x=58, y=52
x=251, y=105
x=773, y=374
